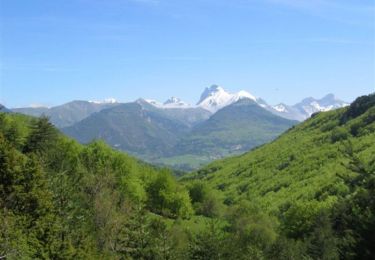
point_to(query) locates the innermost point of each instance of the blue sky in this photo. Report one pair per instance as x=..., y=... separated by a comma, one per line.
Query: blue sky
x=281, y=50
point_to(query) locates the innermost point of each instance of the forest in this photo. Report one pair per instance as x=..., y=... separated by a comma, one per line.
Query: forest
x=310, y=194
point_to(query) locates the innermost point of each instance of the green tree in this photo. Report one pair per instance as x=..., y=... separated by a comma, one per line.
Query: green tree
x=42, y=136
x=209, y=243
x=167, y=198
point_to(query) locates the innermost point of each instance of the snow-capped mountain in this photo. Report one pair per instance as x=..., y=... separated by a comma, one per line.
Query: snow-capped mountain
x=172, y=102
x=175, y=102
x=215, y=98
x=282, y=108
x=153, y=102
x=105, y=101
x=310, y=105
x=304, y=109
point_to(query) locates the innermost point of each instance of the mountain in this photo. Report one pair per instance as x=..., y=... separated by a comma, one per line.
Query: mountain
x=233, y=129
x=189, y=116
x=184, y=138
x=304, y=165
x=139, y=129
x=4, y=109
x=176, y=134
x=174, y=102
x=310, y=106
x=69, y=113
x=304, y=109
x=214, y=98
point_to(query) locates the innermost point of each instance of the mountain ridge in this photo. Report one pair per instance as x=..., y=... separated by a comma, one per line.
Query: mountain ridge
x=212, y=99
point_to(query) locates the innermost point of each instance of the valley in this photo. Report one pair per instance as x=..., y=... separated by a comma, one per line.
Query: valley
x=177, y=134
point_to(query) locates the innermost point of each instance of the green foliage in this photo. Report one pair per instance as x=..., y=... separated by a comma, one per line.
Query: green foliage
x=358, y=107
x=205, y=200
x=316, y=180
x=208, y=243
x=62, y=200
x=339, y=134
x=42, y=136
x=166, y=198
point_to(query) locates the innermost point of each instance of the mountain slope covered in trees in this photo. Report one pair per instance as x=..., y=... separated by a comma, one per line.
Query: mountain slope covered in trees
x=307, y=161
x=62, y=200
x=321, y=172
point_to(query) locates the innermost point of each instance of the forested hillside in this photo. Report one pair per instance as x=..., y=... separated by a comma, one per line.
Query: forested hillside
x=307, y=195
x=318, y=180
x=62, y=200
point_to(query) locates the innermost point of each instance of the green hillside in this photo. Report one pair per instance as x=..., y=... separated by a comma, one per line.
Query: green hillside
x=317, y=180
x=303, y=164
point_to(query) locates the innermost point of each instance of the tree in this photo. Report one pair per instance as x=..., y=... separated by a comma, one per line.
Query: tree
x=252, y=232
x=42, y=137
x=167, y=198
x=209, y=243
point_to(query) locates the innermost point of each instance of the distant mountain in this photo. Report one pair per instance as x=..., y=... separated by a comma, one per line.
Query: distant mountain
x=310, y=105
x=172, y=102
x=178, y=134
x=307, y=107
x=234, y=129
x=69, y=113
x=137, y=128
x=4, y=109
x=215, y=97
x=189, y=116
x=181, y=137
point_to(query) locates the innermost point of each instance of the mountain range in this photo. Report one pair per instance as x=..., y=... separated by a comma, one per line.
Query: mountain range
x=177, y=134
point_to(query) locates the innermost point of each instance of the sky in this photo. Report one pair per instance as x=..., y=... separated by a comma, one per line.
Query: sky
x=52, y=52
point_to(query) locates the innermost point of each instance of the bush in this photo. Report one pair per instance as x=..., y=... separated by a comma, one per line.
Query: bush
x=339, y=134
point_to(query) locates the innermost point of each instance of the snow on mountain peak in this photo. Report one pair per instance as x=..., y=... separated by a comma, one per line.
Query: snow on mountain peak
x=309, y=106
x=215, y=98
x=154, y=102
x=244, y=94
x=175, y=102
x=281, y=108
x=105, y=101
x=172, y=100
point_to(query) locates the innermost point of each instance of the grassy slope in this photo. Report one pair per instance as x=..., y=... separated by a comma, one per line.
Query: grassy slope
x=301, y=165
